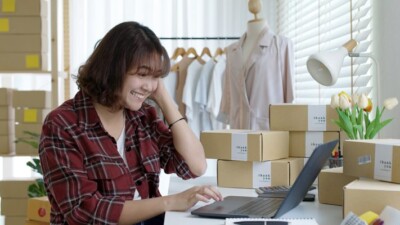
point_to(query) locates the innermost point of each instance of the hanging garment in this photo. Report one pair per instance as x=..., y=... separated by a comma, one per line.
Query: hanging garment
x=251, y=86
x=182, y=73
x=215, y=92
x=201, y=94
x=192, y=108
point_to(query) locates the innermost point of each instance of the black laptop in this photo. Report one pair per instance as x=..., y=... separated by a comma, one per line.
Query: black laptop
x=240, y=206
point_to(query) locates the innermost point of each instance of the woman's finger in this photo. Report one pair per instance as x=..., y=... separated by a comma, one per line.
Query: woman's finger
x=202, y=198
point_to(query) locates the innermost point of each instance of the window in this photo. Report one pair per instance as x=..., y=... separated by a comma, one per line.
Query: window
x=324, y=25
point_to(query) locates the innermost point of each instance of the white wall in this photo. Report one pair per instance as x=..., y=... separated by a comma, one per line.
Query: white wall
x=387, y=50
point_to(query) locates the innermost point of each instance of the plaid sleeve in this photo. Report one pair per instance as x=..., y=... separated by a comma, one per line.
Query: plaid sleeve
x=171, y=161
x=74, y=198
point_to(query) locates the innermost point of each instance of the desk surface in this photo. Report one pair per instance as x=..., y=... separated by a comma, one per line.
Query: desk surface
x=324, y=214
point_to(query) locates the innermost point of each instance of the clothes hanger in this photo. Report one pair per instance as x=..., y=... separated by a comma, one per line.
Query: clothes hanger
x=219, y=51
x=206, y=51
x=178, y=52
x=192, y=51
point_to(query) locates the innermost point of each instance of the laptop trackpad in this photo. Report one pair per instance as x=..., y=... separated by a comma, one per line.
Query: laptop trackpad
x=223, y=208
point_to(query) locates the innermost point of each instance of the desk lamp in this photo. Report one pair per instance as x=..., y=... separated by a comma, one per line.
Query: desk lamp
x=324, y=67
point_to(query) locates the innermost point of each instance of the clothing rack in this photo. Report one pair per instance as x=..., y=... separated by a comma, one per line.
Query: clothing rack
x=199, y=38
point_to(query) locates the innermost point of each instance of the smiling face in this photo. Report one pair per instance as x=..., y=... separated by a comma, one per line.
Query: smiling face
x=137, y=87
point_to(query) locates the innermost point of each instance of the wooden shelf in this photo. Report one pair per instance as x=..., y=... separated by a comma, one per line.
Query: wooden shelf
x=38, y=72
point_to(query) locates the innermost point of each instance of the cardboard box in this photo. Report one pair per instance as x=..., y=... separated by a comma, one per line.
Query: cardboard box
x=20, y=8
x=21, y=25
x=31, y=99
x=14, y=220
x=240, y=174
x=20, y=128
x=296, y=117
x=330, y=185
x=7, y=113
x=39, y=209
x=14, y=206
x=5, y=96
x=303, y=143
x=376, y=158
x=245, y=145
x=6, y=127
x=7, y=145
x=25, y=149
x=15, y=188
x=365, y=195
x=22, y=61
x=26, y=43
x=31, y=115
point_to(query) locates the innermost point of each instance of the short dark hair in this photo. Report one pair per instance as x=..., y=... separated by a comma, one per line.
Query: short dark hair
x=127, y=46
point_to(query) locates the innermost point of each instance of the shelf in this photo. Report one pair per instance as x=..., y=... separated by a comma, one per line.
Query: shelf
x=38, y=72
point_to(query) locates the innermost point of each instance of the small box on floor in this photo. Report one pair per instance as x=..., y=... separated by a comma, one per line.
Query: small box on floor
x=39, y=209
x=330, y=185
x=245, y=145
x=240, y=174
x=365, y=195
x=376, y=158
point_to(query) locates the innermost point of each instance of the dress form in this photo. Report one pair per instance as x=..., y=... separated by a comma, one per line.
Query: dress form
x=254, y=28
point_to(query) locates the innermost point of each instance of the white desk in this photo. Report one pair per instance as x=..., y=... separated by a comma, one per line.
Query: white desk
x=324, y=214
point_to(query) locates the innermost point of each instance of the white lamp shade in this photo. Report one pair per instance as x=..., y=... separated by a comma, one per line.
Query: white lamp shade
x=324, y=67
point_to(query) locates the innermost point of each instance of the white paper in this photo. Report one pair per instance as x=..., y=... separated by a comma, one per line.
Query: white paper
x=239, y=146
x=313, y=140
x=383, y=162
x=316, y=117
x=261, y=174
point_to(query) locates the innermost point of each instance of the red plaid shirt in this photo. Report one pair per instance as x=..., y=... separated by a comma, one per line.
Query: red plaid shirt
x=85, y=176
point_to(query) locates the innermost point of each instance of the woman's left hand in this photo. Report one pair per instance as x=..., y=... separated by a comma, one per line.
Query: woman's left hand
x=160, y=92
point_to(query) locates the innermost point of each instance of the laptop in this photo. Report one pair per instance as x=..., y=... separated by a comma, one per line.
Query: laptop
x=242, y=207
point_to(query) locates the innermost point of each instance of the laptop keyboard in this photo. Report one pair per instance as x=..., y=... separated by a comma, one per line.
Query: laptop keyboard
x=260, y=206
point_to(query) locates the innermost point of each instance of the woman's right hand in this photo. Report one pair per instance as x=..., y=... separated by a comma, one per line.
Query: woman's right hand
x=187, y=199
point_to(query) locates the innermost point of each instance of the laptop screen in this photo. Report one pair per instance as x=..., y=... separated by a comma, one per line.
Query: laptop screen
x=306, y=177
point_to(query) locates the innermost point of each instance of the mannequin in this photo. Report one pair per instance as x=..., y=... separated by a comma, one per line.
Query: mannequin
x=258, y=73
x=254, y=27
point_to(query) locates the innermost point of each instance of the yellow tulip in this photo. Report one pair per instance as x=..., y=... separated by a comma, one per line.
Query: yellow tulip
x=343, y=93
x=369, y=106
x=344, y=102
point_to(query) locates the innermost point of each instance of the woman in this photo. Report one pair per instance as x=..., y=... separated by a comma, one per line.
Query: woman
x=106, y=145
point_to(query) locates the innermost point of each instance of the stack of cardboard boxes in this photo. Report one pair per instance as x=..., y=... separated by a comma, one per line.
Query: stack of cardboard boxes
x=23, y=34
x=377, y=163
x=251, y=159
x=310, y=126
x=14, y=200
x=31, y=108
x=7, y=145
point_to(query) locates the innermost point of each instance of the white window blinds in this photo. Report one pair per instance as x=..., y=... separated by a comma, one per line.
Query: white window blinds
x=324, y=25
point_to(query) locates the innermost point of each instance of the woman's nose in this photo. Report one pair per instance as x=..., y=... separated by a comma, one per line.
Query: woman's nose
x=150, y=84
